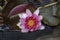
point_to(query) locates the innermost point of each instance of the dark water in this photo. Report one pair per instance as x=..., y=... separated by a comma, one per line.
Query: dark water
x=37, y=35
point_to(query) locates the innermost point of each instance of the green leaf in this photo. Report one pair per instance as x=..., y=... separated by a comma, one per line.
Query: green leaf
x=49, y=19
x=52, y=21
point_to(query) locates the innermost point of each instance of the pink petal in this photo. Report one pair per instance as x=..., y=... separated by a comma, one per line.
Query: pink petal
x=23, y=15
x=22, y=21
x=36, y=11
x=32, y=30
x=42, y=27
x=40, y=17
x=22, y=26
x=29, y=13
x=36, y=27
x=24, y=30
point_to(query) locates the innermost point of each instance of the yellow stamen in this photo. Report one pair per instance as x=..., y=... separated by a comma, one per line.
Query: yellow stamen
x=30, y=23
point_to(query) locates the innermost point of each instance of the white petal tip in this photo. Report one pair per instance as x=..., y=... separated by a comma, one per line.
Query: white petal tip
x=24, y=31
x=22, y=15
x=37, y=11
x=40, y=17
x=18, y=24
x=42, y=28
x=31, y=30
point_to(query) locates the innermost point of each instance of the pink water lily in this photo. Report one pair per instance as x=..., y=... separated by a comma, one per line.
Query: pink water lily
x=30, y=21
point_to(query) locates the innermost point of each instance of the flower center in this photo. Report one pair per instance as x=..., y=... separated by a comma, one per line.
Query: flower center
x=30, y=23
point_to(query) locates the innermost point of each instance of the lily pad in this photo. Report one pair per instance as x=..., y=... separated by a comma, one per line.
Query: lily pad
x=52, y=21
x=49, y=19
x=58, y=10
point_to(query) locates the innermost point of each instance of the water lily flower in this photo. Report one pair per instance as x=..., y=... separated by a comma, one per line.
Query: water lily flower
x=30, y=21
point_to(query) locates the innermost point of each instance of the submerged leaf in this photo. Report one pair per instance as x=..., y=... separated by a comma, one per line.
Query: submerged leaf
x=18, y=9
x=11, y=4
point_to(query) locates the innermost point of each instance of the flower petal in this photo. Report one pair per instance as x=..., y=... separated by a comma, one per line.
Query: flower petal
x=23, y=15
x=40, y=17
x=22, y=20
x=37, y=27
x=32, y=30
x=18, y=24
x=29, y=13
x=41, y=27
x=36, y=11
x=24, y=30
x=22, y=26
